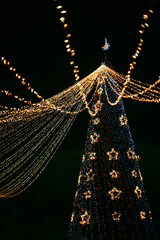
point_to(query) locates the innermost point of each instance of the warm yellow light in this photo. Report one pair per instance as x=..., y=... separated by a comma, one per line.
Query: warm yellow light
x=69, y=49
x=11, y=68
x=146, y=24
x=67, y=46
x=72, y=62
x=69, y=35
x=75, y=66
x=2, y=58
x=59, y=7
x=141, y=31
x=73, y=54
x=8, y=63
x=141, y=40
x=150, y=11
x=64, y=11
x=4, y=62
x=66, y=41
x=14, y=69
x=145, y=16
x=65, y=25
x=62, y=19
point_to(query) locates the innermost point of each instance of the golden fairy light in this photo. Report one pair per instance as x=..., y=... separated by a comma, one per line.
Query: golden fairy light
x=115, y=193
x=113, y=155
x=85, y=218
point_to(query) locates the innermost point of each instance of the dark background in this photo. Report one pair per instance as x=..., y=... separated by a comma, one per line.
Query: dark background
x=32, y=39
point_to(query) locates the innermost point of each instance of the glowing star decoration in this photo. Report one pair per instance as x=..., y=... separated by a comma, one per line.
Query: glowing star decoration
x=85, y=218
x=92, y=155
x=94, y=137
x=90, y=175
x=123, y=120
x=88, y=194
x=115, y=193
x=116, y=216
x=113, y=155
x=96, y=121
x=138, y=192
x=72, y=217
x=114, y=174
x=134, y=173
x=98, y=105
x=142, y=215
x=106, y=45
x=131, y=154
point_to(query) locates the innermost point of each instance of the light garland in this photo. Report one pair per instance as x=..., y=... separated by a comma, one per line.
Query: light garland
x=69, y=49
x=19, y=77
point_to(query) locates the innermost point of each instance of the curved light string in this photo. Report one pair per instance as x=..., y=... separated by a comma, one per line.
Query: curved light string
x=63, y=19
x=22, y=79
x=144, y=25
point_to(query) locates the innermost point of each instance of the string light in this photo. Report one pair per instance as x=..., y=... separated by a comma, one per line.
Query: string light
x=23, y=81
x=67, y=39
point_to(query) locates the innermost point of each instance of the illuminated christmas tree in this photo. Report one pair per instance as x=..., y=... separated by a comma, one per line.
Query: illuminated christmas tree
x=110, y=201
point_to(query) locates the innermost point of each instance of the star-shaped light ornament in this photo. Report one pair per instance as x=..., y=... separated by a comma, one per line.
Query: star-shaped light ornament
x=134, y=173
x=85, y=218
x=88, y=194
x=116, y=216
x=98, y=105
x=123, y=120
x=114, y=174
x=113, y=155
x=94, y=137
x=90, y=175
x=142, y=215
x=106, y=45
x=115, y=193
x=92, y=155
x=96, y=121
x=138, y=192
x=131, y=154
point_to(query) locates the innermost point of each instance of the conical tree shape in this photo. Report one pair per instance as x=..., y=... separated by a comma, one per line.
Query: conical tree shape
x=110, y=202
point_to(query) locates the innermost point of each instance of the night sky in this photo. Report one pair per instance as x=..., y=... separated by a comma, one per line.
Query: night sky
x=32, y=39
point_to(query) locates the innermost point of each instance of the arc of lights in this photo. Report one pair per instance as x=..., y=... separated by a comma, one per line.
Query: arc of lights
x=69, y=49
x=22, y=79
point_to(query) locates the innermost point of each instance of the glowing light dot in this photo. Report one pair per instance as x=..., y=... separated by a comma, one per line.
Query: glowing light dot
x=62, y=19
x=59, y=7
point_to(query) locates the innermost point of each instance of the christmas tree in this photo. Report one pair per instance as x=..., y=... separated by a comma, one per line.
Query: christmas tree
x=110, y=200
